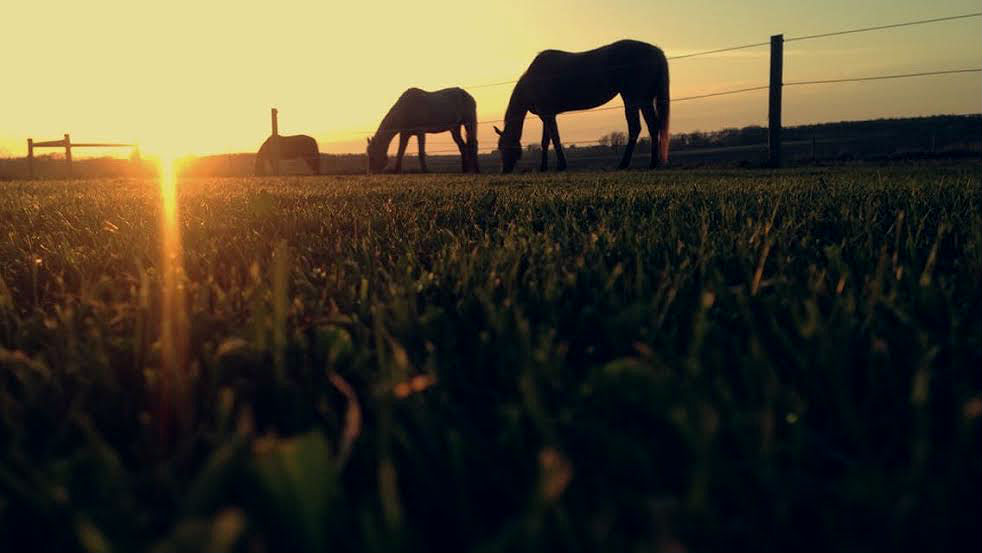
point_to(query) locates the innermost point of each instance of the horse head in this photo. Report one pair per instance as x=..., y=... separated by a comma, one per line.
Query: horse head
x=510, y=148
x=377, y=157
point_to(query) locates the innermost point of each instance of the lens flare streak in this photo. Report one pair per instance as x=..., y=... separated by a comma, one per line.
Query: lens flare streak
x=174, y=411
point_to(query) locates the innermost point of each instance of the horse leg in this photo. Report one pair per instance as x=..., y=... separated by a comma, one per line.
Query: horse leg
x=557, y=144
x=421, y=142
x=471, y=129
x=544, y=166
x=651, y=119
x=403, y=141
x=633, y=130
x=455, y=133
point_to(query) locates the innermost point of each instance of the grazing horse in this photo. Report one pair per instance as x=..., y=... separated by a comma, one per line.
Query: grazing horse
x=558, y=81
x=418, y=112
x=291, y=147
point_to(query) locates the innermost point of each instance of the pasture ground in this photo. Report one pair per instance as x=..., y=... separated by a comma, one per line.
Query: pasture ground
x=717, y=360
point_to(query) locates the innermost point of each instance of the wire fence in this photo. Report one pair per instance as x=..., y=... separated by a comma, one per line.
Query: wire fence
x=621, y=106
x=738, y=91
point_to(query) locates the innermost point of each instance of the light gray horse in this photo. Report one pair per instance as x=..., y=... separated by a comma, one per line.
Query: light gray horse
x=418, y=112
x=291, y=147
x=558, y=81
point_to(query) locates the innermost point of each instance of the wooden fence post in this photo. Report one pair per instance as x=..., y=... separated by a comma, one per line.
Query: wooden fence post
x=774, y=106
x=275, y=157
x=68, y=155
x=30, y=158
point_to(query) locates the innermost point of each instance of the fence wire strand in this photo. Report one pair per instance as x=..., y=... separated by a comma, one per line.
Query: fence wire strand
x=677, y=57
x=604, y=108
x=718, y=51
x=792, y=39
x=881, y=27
x=882, y=77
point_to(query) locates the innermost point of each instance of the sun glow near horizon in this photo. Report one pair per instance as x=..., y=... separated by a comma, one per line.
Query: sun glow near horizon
x=167, y=167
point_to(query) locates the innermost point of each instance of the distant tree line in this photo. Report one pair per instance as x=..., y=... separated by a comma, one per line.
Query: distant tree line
x=695, y=139
x=924, y=132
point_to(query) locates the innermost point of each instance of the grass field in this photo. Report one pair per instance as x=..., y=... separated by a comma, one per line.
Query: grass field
x=703, y=360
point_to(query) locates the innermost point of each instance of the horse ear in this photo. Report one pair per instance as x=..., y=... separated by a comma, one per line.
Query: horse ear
x=497, y=130
x=369, y=140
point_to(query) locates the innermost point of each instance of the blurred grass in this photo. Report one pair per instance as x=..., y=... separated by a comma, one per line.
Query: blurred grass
x=626, y=361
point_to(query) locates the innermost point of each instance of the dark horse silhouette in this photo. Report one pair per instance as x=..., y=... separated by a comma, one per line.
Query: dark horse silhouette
x=558, y=81
x=291, y=147
x=418, y=112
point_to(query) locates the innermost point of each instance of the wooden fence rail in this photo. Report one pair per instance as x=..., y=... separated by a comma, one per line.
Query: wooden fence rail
x=67, y=144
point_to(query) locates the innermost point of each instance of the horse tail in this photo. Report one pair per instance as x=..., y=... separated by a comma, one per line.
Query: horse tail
x=312, y=147
x=662, y=103
x=470, y=125
x=260, y=160
x=313, y=155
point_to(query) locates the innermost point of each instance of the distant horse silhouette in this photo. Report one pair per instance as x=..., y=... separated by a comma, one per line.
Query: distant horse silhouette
x=558, y=81
x=291, y=147
x=418, y=112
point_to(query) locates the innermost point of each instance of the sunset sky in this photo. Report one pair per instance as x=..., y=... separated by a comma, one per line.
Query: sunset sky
x=199, y=77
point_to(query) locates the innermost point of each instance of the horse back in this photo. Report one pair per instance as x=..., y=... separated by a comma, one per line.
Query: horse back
x=295, y=145
x=561, y=81
x=434, y=111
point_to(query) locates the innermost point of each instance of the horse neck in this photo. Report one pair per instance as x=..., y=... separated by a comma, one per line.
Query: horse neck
x=518, y=107
x=388, y=128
